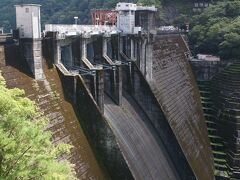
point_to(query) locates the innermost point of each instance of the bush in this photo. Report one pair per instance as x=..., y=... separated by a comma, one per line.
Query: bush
x=26, y=151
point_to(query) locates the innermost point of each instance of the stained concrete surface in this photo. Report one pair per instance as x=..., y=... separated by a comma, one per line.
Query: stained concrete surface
x=49, y=98
x=147, y=159
x=175, y=88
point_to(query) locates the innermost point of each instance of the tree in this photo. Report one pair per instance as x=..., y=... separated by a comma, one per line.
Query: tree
x=160, y=17
x=26, y=151
x=216, y=30
x=54, y=11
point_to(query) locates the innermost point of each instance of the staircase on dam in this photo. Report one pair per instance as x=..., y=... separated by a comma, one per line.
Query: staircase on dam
x=225, y=89
x=49, y=98
x=218, y=85
x=217, y=142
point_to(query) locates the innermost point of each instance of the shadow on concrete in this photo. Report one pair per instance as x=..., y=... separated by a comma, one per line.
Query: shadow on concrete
x=14, y=58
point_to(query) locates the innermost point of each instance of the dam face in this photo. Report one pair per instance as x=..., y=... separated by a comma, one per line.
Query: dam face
x=175, y=88
x=49, y=97
x=140, y=125
x=130, y=105
x=127, y=101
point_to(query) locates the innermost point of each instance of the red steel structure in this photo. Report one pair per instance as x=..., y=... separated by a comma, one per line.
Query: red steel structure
x=104, y=17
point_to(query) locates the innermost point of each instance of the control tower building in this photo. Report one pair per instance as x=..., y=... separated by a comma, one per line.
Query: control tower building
x=29, y=26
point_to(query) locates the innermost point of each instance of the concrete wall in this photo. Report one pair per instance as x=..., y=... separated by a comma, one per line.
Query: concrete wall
x=145, y=55
x=142, y=94
x=145, y=156
x=31, y=49
x=206, y=70
x=175, y=88
x=51, y=48
x=28, y=21
x=126, y=17
x=49, y=97
x=145, y=19
x=113, y=84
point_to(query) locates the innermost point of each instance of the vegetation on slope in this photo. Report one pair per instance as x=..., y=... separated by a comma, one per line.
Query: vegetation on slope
x=216, y=30
x=26, y=151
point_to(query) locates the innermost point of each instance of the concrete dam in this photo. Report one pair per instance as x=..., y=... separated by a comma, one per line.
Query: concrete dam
x=125, y=97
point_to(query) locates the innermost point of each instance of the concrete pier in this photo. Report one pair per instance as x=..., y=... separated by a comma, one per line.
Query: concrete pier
x=29, y=28
x=32, y=52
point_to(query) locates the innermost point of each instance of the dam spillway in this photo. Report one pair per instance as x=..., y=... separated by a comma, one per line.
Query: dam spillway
x=137, y=142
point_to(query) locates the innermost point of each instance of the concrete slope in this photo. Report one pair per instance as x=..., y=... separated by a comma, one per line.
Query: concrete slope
x=49, y=98
x=176, y=91
x=145, y=156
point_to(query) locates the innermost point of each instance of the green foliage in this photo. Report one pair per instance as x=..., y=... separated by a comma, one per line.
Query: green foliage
x=216, y=30
x=181, y=21
x=26, y=151
x=157, y=3
x=61, y=11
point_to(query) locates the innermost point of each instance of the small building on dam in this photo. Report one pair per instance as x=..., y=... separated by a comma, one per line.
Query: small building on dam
x=124, y=95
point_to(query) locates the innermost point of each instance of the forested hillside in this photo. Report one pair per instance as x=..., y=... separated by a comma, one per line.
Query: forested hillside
x=63, y=11
x=217, y=30
x=26, y=151
x=54, y=11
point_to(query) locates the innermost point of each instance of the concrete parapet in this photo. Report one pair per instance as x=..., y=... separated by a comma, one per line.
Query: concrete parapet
x=85, y=30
